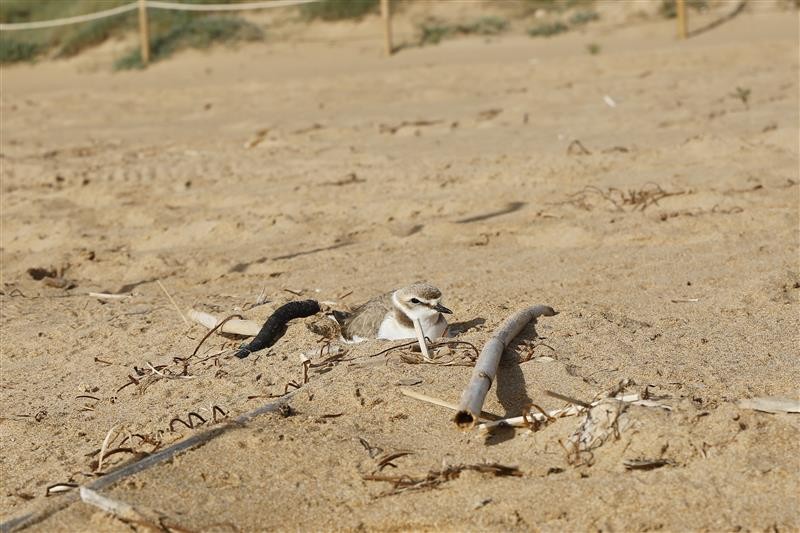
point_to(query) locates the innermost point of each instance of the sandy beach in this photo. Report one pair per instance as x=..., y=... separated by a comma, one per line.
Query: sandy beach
x=636, y=191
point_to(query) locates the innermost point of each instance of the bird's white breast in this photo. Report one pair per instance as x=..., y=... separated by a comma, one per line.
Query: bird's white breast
x=391, y=329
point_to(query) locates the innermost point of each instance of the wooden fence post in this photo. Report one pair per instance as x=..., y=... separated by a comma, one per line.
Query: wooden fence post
x=144, y=34
x=386, y=14
x=683, y=22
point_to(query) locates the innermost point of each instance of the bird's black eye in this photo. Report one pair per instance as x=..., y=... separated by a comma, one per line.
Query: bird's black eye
x=414, y=301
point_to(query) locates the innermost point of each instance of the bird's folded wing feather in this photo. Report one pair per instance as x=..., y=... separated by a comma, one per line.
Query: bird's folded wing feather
x=365, y=320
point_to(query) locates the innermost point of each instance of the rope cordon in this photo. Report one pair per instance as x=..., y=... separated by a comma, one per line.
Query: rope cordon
x=154, y=4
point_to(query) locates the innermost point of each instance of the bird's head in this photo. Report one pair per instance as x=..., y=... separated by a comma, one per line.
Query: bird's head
x=421, y=301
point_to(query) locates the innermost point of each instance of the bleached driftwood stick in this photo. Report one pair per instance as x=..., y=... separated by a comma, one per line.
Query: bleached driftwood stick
x=423, y=345
x=486, y=366
x=107, y=296
x=572, y=410
x=121, y=510
x=235, y=326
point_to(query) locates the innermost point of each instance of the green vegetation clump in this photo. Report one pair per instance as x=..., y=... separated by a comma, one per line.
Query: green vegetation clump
x=433, y=30
x=169, y=30
x=548, y=29
x=197, y=32
x=63, y=40
x=583, y=17
x=556, y=6
x=12, y=51
x=669, y=9
x=93, y=33
x=483, y=26
x=579, y=18
x=339, y=9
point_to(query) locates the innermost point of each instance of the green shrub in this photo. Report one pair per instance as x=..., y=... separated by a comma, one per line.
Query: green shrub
x=93, y=33
x=338, y=9
x=548, y=29
x=484, y=26
x=433, y=30
x=196, y=32
x=13, y=51
x=668, y=8
x=583, y=17
x=72, y=39
x=557, y=6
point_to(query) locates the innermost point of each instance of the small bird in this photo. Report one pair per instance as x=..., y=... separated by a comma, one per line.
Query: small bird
x=391, y=315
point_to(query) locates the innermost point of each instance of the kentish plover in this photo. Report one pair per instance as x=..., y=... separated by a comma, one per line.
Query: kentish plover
x=390, y=316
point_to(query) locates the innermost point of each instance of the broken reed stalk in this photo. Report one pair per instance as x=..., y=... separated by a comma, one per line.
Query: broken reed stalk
x=247, y=328
x=486, y=366
x=423, y=346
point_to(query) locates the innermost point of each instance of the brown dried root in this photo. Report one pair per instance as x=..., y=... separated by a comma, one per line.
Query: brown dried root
x=434, y=478
x=622, y=200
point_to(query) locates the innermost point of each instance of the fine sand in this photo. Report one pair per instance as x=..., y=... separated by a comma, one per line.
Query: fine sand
x=316, y=168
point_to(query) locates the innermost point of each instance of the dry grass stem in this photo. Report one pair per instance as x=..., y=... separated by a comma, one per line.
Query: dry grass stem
x=104, y=447
x=441, y=403
x=172, y=301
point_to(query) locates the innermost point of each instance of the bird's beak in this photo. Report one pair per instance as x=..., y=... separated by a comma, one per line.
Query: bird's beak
x=443, y=309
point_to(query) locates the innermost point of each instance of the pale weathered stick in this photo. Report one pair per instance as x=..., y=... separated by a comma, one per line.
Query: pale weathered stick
x=430, y=399
x=683, y=22
x=441, y=403
x=771, y=405
x=121, y=510
x=386, y=15
x=572, y=410
x=107, y=296
x=486, y=366
x=235, y=326
x=522, y=421
x=423, y=345
x=144, y=34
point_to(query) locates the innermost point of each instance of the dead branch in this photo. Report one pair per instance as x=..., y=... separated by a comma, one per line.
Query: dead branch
x=486, y=366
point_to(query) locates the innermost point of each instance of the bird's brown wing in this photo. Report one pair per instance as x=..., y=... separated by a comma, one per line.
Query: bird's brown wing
x=365, y=320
